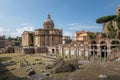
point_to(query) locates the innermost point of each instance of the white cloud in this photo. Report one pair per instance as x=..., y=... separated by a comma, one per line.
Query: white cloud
x=114, y=4
x=80, y=27
x=17, y=32
x=68, y=33
x=21, y=30
x=3, y=30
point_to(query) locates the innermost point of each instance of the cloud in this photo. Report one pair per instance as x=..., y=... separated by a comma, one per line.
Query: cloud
x=18, y=31
x=3, y=30
x=80, y=27
x=69, y=30
x=114, y=4
x=68, y=33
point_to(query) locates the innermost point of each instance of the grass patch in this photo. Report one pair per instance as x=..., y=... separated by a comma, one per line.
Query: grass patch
x=20, y=73
x=5, y=59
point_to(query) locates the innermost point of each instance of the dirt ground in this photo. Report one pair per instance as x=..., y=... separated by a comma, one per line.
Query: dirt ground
x=91, y=71
x=86, y=71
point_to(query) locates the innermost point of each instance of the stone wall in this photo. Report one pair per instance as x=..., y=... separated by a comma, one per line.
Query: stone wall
x=96, y=49
x=41, y=50
x=28, y=50
x=32, y=50
x=9, y=49
x=17, y=49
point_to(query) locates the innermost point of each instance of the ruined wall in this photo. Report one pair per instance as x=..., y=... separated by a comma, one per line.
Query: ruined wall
x=28, y=50
x=41, y=50
x=17, y=49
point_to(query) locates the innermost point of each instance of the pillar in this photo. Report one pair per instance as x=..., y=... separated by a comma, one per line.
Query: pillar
x=62, y=50
x=69, y=52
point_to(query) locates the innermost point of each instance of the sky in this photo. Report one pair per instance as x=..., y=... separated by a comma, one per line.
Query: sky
x=17, y=16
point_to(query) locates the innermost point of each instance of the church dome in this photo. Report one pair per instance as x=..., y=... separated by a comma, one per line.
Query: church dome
x=48, y=23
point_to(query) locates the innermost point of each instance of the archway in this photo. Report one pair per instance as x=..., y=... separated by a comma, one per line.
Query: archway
x=115, y=46
x=93, y=48
x=103, y=49
x=115, y=43
x=53, y=51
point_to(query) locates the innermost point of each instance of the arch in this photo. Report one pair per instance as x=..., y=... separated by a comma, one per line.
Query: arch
x=103, y=49
x=93, y=42
x=103, y=42
x=93, y=48
x=115, y=41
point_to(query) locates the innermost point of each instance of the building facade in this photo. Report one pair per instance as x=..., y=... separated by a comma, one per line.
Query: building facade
x=101, y=49
x=27, y=39
x=43, y=38
x=66, y=40
x=81, y=36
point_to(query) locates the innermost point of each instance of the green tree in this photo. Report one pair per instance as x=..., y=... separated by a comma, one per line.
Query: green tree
x=111, y=30
x=92, y=35
x=117, y=19
x=105, y=19
x=104, y=35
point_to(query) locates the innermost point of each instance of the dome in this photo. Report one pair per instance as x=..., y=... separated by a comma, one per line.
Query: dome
x=48, y=23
